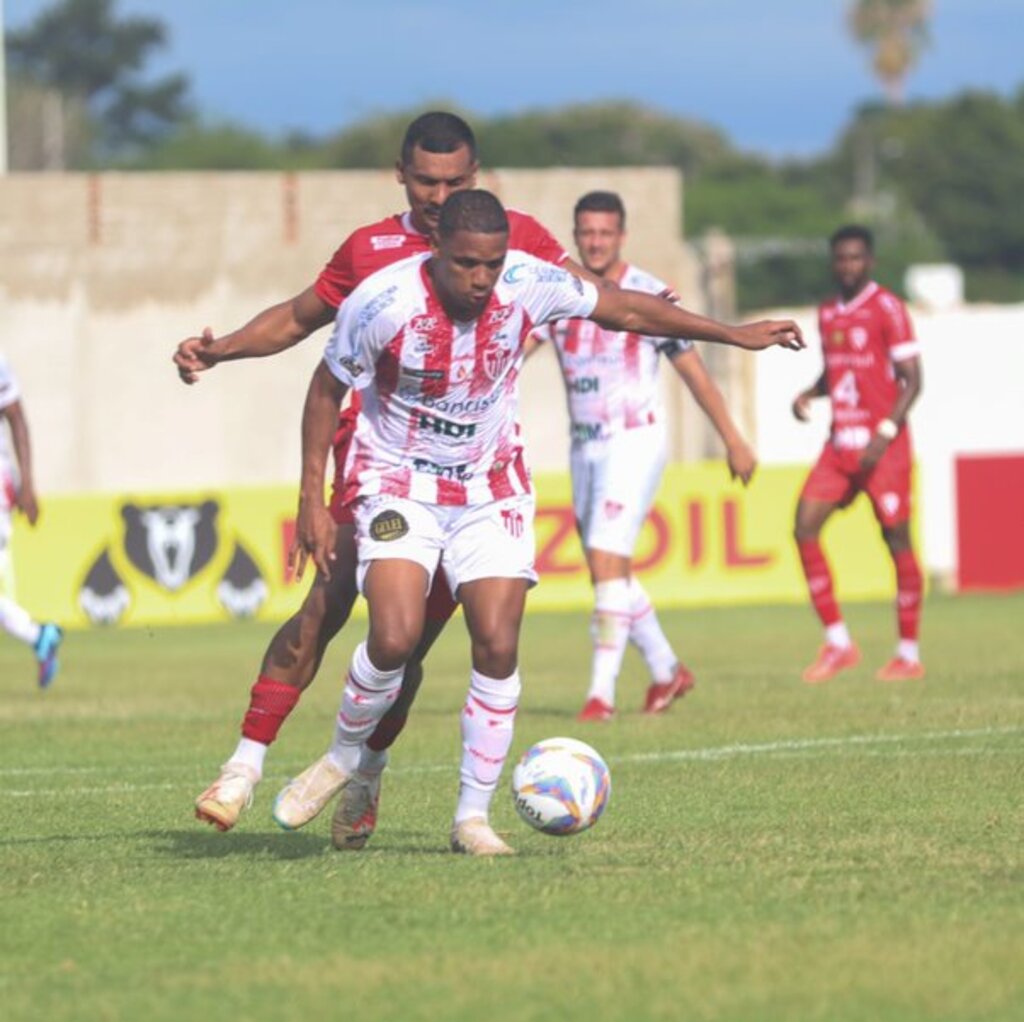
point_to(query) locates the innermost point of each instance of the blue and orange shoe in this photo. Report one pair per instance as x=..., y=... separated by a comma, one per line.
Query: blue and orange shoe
x=50, y=638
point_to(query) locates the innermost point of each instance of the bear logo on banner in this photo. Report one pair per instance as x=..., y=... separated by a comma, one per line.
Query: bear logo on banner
x=170, y=545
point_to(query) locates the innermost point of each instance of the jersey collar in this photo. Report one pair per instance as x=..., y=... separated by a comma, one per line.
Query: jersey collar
x=865, y=293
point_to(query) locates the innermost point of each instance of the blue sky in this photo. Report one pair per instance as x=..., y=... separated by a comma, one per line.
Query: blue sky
x=780, y=76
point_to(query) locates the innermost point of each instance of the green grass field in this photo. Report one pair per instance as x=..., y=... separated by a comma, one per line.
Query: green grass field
x=771, y=850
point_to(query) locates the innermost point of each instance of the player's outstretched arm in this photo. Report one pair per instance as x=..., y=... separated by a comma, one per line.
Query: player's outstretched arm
x=739, y=454
x=273, y=330
x=315, y=529
x=640, y=313
x=22, y=444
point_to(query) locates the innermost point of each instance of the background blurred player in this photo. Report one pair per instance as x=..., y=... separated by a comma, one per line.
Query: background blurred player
x=437, y=476
x=872, y=377
x=17, y=492
x=438, y=156
x=618, y=455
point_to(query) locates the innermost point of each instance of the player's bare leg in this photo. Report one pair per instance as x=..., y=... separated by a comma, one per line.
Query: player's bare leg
x=838, y=652
x=395, y=592
x=906, y=664
x=494, y=612
x=289, y=666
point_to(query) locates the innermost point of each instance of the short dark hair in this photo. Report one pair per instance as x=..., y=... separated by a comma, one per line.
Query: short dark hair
x=600, y=202
x=438, y=132
x=853, y=232
x=472, y=210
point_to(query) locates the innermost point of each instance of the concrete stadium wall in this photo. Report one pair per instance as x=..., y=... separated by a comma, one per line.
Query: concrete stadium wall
x=972, y=403
x=102, y=275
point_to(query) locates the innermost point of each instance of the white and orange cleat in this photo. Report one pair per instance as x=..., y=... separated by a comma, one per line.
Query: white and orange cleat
x=355, y=816
x=829, y=662
x=224, y=801
x=475, y=836
x=900, y=669
x=660, y=696
x=595, y=709
x=306, y=796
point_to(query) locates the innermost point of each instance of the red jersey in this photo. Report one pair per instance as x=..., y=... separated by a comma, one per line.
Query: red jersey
x=862, y=340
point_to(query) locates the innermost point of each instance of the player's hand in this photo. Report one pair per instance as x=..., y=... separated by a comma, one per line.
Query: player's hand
x=742, y=461
x=26, y=502
x=873, y=452
x=802, y=407
x=193, y=356
x=767, y=333
x=315, y=536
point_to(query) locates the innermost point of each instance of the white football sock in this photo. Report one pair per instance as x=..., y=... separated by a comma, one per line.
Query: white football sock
x=488, y=720
x=372, y=761
x=646, y=634
x=251, y=754
x=838, y=635
x=609, y=630
x=908, y=649
x=368, y=694
x=18, y=622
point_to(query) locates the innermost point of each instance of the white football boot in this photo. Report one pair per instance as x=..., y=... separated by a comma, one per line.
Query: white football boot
x=476, y=837
x=306, y=796
x=223, y=802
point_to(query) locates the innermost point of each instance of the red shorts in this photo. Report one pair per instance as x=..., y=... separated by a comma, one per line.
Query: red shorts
x=837, y=478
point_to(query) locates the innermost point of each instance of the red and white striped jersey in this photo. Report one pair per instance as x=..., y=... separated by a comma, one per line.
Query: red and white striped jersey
x=611, y=376
x=374, y=246
x=440, y=398
x=9, y=393
x=862, y=340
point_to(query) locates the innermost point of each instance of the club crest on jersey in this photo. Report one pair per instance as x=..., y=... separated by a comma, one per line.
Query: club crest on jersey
x=388, y=526
x=859, y=337
x=495, y=360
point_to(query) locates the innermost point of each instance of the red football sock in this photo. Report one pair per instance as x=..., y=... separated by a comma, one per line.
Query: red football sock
x=819, y=581
x=270, y=702
x=908, y=593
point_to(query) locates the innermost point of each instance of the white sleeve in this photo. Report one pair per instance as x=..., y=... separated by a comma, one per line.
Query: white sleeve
x=548, y=292
x=9, y=392
x=361, y=331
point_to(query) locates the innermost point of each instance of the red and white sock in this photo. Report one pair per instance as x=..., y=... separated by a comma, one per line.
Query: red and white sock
x=646, y=634
x=369, y=692
x=819, y=585
x=609, y=629
x=909, y=586
x=488, y=720
x=270, y=703
x=18, y=622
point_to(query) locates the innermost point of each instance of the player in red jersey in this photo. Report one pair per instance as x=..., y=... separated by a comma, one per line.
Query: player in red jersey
x=437, y=479
x=438, y=157
x=872, y=377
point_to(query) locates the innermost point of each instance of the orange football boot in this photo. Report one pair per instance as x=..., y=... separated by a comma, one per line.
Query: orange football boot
x=661, y=696
x=596, y=709
x=898, y=669
x=829, y=662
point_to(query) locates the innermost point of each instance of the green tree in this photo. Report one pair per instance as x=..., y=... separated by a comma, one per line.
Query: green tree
x=895, y=31
x=87, y=56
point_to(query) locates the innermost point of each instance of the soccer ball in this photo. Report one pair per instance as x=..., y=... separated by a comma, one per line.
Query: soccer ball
x=561, y=786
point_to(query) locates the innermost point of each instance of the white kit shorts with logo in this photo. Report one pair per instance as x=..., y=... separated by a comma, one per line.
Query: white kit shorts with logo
x=614, y=482
x=492, y=540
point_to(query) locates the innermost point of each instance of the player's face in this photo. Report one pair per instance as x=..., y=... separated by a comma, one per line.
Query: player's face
x=852, y=263
x=599, y=238
x=429, y=178
x=465, y=268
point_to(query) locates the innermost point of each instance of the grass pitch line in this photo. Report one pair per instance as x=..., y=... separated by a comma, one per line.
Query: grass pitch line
x=672, y=755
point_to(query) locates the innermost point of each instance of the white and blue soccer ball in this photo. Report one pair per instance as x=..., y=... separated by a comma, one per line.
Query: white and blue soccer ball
x=561, y=786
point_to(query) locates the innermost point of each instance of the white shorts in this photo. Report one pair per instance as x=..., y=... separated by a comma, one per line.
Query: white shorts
x=6, y=561
x=613, y=486
x=493, y=540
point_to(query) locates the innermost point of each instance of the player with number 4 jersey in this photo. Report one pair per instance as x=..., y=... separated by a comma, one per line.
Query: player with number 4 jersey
x=872, y=376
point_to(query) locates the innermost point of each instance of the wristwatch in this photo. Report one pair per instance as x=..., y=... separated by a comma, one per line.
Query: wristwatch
x=887, y=429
